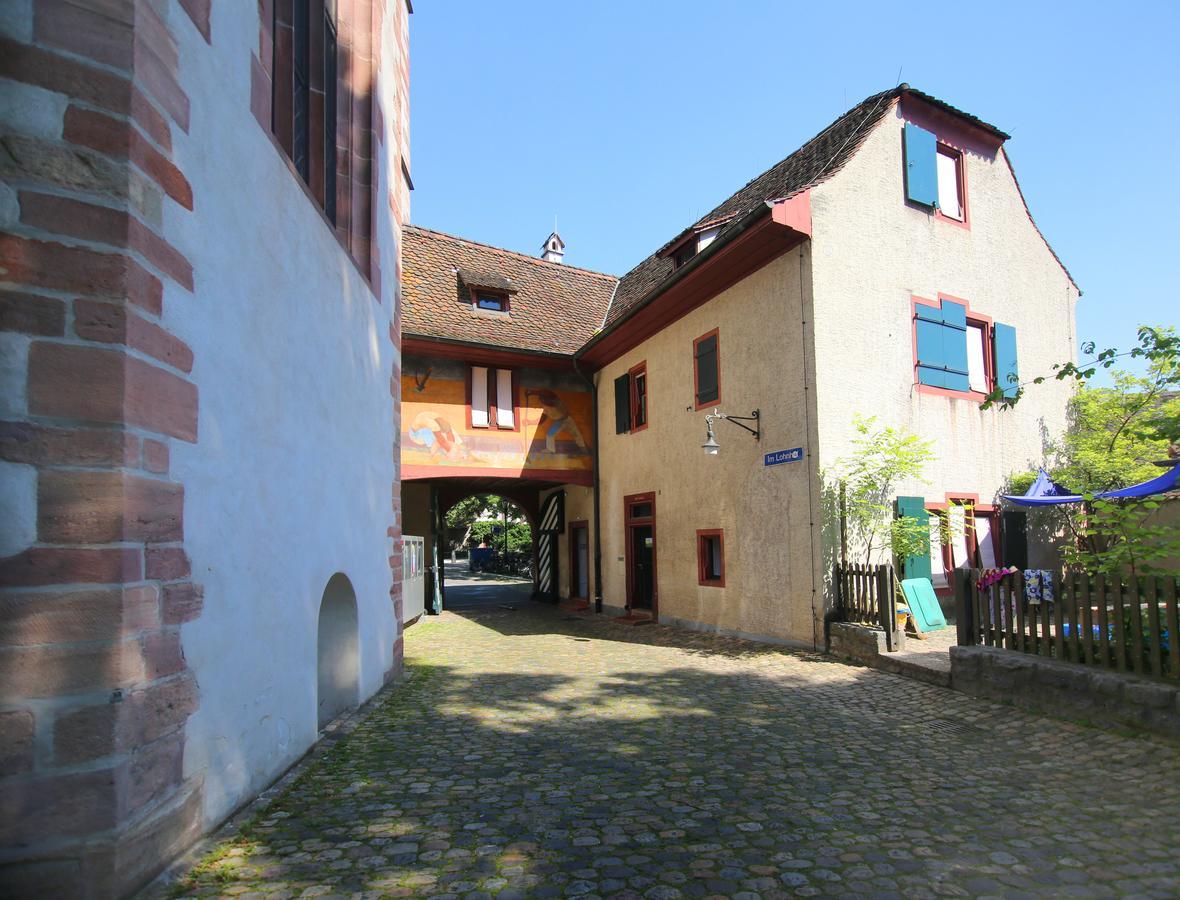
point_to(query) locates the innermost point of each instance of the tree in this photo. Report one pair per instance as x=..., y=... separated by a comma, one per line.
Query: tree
x=1113, y=438
x=881, y=459
x=463, y=515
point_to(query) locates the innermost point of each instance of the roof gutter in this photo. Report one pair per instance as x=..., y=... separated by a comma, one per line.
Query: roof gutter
x=479, y=345
x=731, y=233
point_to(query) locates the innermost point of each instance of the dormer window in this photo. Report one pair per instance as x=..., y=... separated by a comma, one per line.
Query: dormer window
x=491, y=301
x=685, y=253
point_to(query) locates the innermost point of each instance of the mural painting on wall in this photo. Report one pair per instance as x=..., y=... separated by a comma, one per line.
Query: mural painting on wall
x=549, y=437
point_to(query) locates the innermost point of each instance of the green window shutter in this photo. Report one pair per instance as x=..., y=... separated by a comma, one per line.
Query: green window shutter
x=915, y=508
x=706, y=369
x=928, y=334
x=1007, y=374
x=921, y=166
x=954, y=345
x=622, y=404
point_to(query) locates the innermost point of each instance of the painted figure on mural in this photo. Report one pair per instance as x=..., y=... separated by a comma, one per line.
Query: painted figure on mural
x=432, y=431
x=559, y=417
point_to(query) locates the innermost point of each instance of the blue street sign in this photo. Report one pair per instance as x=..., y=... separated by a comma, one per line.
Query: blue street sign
x=778, y=457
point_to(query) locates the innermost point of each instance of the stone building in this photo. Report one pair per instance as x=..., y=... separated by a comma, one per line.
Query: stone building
x=888, y=267
x=198, y=443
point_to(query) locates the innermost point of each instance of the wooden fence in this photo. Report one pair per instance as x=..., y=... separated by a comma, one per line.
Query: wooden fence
x=865, y=594
x=1121, y=624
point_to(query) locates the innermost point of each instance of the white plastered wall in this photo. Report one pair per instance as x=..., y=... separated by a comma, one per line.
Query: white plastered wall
x=291, y=479
x=872, y=251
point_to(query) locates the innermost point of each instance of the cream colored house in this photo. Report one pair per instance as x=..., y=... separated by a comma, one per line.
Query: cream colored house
x=889, y=267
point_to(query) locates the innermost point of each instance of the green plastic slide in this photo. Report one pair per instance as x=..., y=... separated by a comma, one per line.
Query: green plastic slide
x=923, y=603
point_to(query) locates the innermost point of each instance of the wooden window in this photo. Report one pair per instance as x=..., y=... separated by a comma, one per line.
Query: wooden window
x=949, y=165
x=706, y=369
x=638, y=377
x=492, y=301
x=622, y=404
x=711, y=558
x=685, y=253
x=480, y=404
x=492, y=402
x=978, y=357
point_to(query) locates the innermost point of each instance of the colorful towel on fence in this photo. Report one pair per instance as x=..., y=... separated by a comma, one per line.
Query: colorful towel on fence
x=1038, y=586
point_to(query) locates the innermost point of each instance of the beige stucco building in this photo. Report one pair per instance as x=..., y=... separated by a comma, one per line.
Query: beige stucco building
x=890, y=268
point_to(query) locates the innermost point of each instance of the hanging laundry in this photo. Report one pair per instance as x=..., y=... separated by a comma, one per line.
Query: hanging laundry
x=1038, y=586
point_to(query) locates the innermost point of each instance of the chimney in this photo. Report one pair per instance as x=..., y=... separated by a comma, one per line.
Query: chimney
x=553, y=249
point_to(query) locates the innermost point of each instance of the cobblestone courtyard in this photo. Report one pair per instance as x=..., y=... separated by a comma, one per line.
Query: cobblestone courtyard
x=534, y=754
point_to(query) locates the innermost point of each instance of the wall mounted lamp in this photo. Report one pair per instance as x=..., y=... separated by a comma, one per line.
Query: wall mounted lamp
x=711, y=446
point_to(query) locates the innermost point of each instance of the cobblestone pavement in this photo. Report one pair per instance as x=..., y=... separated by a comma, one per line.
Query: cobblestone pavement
x=533, y=754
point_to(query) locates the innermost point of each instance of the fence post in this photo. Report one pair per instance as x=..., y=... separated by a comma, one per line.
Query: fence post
x=885, y=607
x=964, y=612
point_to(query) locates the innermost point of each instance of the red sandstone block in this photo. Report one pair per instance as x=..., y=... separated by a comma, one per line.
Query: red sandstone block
x=103, y=34
x=28, y=620
x=198, y=11
x=122, y=140
x=152, y=34
x=60, y=267
x=155, y=456
x=54, y=72
x=54, y=671
x=260, y=93
x=166, y=563
x=22, y=442
x=111, y=323
x=152, y=73
x=91, y=222
x=147, y=117
x=39, y=566
x=162, y=655
x=16, y=741
x=91, y=732
x=153, y=772
x=31, y=314
x=80, y=507
x=97, y=385
x=182, y=602
x=55, y=806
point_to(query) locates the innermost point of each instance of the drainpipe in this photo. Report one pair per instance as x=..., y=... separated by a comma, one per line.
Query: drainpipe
x=597, y=495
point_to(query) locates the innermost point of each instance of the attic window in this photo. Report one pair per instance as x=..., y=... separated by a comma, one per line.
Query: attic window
x=685, y=253
x=491, y=301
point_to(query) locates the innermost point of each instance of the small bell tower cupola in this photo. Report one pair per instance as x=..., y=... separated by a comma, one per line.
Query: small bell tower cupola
x=553, y=249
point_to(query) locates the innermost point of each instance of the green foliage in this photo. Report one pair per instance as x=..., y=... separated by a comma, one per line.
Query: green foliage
x=466, y=511
x=881, y=459
x=1120, y=536
x=1019, y=483
x=1113, y=438
x=520, y=536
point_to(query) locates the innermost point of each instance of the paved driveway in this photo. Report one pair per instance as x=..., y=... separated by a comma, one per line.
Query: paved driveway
x=533, y=754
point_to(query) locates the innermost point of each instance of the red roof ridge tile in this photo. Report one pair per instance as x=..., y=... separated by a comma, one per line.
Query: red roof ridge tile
x=535, y=260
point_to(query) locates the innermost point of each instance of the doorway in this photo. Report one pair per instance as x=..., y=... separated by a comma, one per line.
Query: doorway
x=579, y=543
x=640, y=512
x=337, y=654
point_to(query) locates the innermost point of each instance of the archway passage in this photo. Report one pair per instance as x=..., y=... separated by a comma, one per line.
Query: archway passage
x=337, y=654
x=496, y=538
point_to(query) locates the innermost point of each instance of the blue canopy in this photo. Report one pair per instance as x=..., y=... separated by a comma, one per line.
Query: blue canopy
x=1046, y=492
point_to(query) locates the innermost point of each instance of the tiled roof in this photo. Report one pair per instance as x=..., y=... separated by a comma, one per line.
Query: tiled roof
x=817, y=160
x=554, y=307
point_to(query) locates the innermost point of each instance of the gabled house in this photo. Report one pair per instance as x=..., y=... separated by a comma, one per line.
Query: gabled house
x=888, y=267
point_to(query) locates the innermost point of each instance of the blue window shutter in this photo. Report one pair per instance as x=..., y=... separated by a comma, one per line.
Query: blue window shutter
x=921, y=166
x=1007, y=374
x=954, y=345
x=928, y=333
x=915, y=508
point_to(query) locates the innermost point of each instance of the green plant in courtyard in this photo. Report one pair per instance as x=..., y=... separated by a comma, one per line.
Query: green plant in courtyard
x=1113, y=438
x=882, y=458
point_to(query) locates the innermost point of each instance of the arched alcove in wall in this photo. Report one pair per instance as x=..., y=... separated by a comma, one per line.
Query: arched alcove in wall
x=338, y=660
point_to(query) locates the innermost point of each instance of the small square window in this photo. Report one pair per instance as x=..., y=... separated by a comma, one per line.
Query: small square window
x=711, y=558
x=491, y=302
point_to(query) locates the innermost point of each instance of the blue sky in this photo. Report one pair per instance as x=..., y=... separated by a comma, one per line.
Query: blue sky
x=628, y=121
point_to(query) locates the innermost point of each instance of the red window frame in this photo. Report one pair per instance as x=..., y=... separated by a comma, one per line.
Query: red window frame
x=971, y=536
x=705, y=535
x=961, y=178
x=493, y=405
x=696, y=385
x=636, y=425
